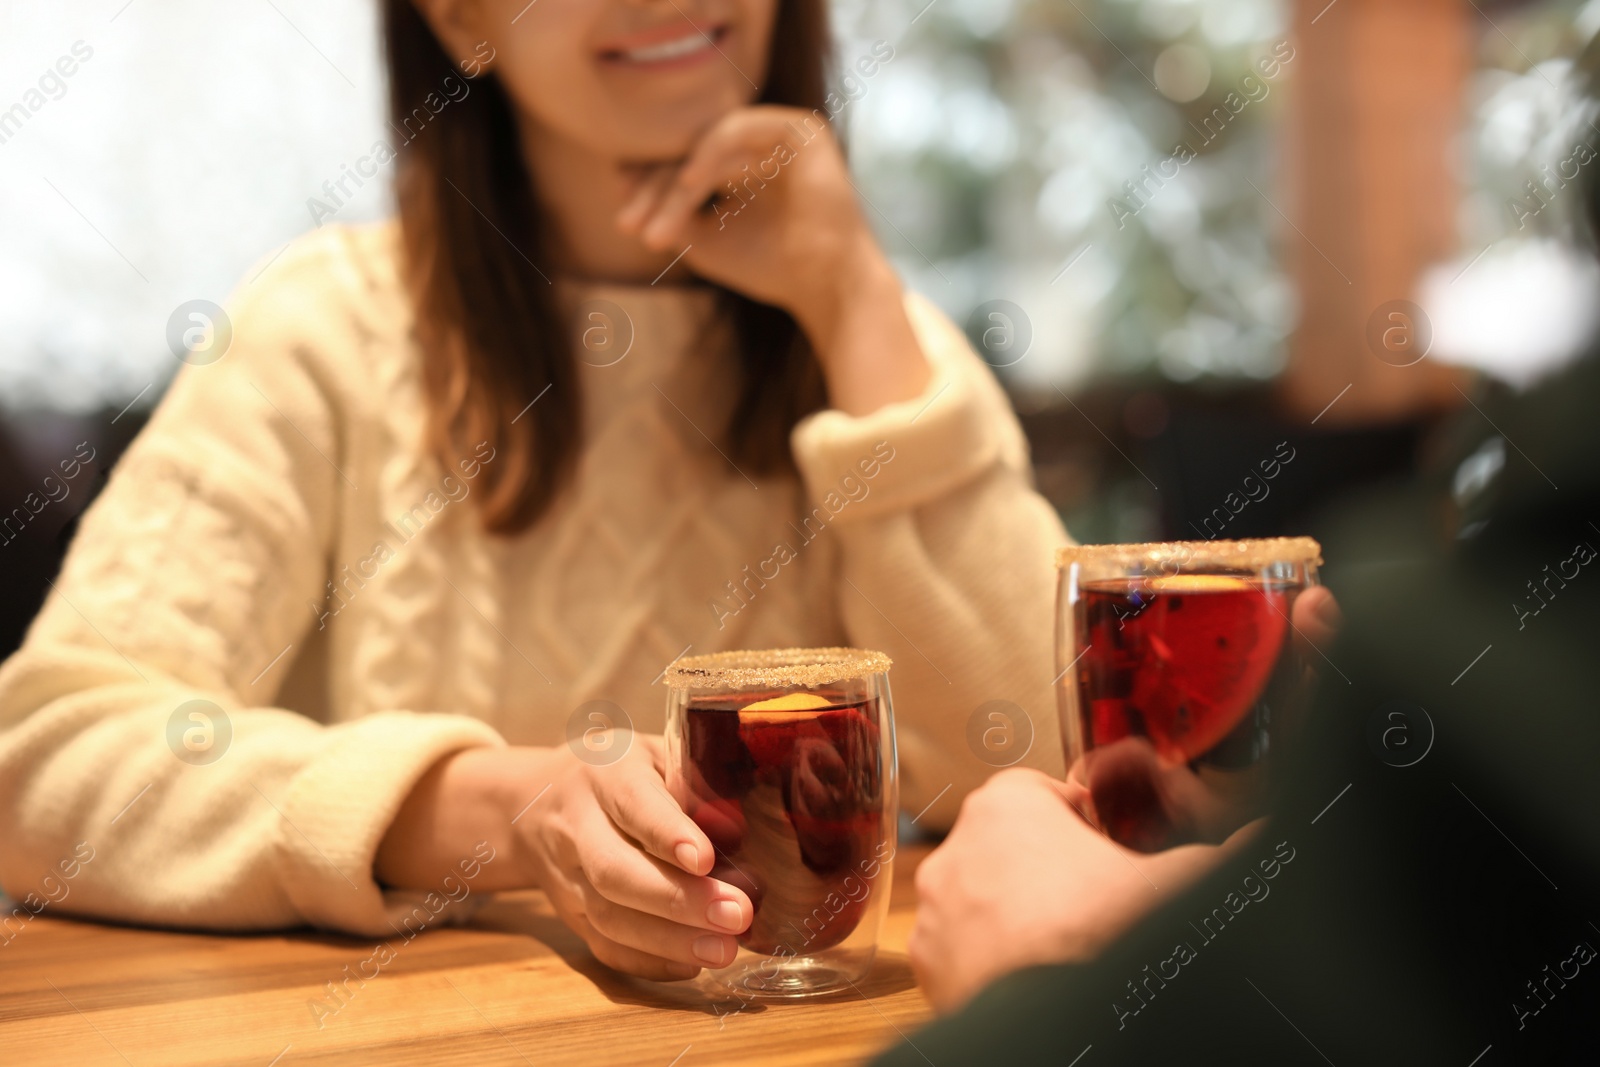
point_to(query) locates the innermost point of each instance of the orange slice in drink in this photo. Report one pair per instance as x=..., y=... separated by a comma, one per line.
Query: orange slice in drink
x=774, y=709
x=1197, y=583
x=771, y=728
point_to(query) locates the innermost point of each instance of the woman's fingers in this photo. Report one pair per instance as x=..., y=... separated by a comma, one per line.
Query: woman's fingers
x=660, y=937
x=623, y=875
x=608, y=850
x=646, y=196
x=674, y=212
x=634, y=796
x=744, y=138
x=627, y=959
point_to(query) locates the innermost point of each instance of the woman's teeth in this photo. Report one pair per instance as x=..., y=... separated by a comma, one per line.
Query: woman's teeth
x=688, y=44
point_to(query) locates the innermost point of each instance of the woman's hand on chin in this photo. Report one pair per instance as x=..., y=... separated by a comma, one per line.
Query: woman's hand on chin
x=764, y=205
x=1023, y=879
x=623, y=866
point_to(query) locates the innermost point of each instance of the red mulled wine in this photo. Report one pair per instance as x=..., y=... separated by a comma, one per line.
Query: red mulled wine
x=790, y=790
x=1185, y=686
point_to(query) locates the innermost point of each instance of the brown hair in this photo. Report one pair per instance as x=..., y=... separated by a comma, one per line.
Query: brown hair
x=491, y=334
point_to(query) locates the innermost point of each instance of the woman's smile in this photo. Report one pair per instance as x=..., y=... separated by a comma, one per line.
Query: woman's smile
x=668, y=47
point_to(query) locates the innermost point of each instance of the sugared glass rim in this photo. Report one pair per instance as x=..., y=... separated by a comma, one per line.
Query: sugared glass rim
x=788, y=668
x=1243, y=555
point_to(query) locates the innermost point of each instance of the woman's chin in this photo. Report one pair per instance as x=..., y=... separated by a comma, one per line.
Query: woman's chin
x=661, y=132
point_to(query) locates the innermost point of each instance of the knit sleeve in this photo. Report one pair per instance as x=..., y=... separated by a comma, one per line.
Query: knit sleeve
x=947, y=563
x=136, y=722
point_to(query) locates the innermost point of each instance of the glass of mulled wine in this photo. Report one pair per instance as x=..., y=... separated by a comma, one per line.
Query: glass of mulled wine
x=786, y=759
x=1181, y=678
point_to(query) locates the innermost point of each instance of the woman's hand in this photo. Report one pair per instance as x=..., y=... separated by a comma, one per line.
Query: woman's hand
x=623, y=866
x=1023, y=880
x=764, y=205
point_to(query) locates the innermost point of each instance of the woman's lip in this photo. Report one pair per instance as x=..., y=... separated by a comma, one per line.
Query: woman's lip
x=653, y=48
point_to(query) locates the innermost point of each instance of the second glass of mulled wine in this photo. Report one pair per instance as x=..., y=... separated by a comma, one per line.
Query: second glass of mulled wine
x=1182, y=677
x=786, y=759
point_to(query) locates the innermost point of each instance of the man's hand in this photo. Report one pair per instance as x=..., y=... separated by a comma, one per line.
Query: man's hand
x=1023, y=879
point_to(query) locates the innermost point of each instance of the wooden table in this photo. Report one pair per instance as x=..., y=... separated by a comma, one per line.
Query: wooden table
x=515, y=987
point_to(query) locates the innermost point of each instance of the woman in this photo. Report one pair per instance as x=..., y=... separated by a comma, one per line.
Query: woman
x=629, y=377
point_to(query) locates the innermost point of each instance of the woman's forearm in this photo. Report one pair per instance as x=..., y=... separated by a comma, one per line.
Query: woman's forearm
x=467, y=797
x=869, y=354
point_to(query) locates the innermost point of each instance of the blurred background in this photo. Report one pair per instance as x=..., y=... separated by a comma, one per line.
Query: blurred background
x=1198, y=239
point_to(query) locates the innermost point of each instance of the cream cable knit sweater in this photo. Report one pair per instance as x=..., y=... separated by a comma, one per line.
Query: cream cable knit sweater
x=276, y=542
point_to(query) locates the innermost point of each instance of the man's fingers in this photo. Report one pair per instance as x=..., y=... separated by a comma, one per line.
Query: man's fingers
x=1244, y=836
x=660, y=937
x=923, y=951
x=1079, y=799
x=1317, y=616
x=1177, y=868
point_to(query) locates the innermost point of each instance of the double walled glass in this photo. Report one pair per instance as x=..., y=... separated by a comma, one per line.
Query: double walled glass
x=1182, y=677
x=786, y=759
